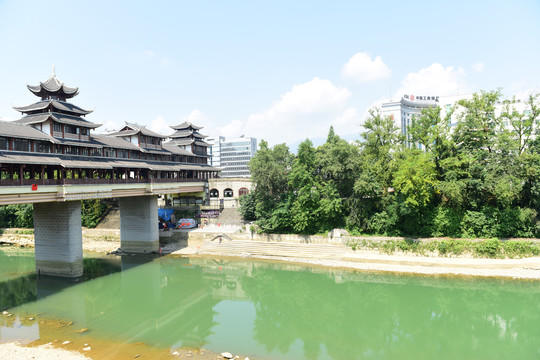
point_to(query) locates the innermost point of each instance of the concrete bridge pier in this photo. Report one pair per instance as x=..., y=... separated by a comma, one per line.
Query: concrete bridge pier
x=139, y=224
x=58, y=238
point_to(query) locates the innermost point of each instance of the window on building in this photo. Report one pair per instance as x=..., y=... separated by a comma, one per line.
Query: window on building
x=70, y=129
x=21, y=145
x=4, y=144
x=214, y=193
x=123, y=154
x=228, y=193
x=85, y=131
x=108, y=152
x=57, y=127
x=42, y=147
x=71, y=150
x=243, y=191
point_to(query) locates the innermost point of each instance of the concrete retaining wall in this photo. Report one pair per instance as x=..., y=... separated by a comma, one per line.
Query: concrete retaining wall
x=197, y=238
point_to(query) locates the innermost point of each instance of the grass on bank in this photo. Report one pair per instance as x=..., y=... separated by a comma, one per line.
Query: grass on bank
x=491, y=248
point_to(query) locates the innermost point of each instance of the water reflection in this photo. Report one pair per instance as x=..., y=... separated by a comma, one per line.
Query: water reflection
x=292, y=312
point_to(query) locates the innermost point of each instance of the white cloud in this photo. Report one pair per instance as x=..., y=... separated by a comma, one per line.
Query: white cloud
x=160, y=126
x=435, y=80
x=478, y=67
x=232, y=129
x=196, y=117
x=363, y=69
x=313, y=96
x=149, y=53
x=349, y=120
x=109, y=126
x=306, y=111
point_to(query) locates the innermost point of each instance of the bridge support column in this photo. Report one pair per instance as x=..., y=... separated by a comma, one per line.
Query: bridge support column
x=58, y=239
x=139, y=224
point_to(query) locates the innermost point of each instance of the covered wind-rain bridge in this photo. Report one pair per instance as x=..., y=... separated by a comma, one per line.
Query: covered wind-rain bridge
x=50, y=158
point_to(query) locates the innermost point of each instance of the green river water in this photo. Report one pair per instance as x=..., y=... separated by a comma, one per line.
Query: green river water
x=269, y=310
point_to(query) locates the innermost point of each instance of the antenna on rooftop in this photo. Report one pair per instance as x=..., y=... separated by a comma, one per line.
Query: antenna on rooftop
x=53, y=72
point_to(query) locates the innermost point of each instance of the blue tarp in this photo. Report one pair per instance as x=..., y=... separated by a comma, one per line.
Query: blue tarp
x=165, y=214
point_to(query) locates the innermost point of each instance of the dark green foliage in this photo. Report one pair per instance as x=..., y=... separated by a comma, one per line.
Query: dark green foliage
x=446, y=222
x=248, y=207
x=18, y=215
x=93, y=211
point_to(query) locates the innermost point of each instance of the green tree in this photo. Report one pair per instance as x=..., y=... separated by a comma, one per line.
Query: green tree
x=304, y=186
x=523, y=125
x=339, y=162
x=381, y=142
x=432, y=132
x=92, y=211
x=269, y=170
x=415, y=178
x=248, y=206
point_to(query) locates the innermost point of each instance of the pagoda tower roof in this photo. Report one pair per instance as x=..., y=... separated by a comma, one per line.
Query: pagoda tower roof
x=186, y=125
x=133, y=129
x=187, y=133
x=53, y=87
x=52, y=105
x=58, y=117
x=189, y=141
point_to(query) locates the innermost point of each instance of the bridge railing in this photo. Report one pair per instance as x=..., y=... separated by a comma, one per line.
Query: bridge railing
x=91, y=181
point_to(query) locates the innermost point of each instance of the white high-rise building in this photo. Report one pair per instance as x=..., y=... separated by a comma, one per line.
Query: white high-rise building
x=232, y=155
x=402, y=110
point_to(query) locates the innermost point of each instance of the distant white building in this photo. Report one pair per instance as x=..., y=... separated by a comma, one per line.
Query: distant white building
x=232, y=155
x=402, y=110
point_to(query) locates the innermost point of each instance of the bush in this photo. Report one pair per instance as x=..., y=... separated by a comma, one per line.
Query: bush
x=92, y=212
x=446, y=222
x=454, y=247
x=19, y=215
x=488, y=248
x=520, y=249
x=479, y=224
x=383, y=223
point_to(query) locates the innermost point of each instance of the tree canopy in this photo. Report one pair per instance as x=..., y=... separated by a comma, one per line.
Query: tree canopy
x=477, y=178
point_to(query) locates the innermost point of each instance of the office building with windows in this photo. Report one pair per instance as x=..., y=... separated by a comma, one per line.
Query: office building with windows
x=403, y=110
x=232, y=155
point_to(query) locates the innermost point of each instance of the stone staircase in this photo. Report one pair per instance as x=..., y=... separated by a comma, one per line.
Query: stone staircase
x=278, y=249
x=111, y=220
x=230, y=216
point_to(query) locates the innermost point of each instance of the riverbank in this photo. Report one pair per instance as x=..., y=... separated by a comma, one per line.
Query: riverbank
x=59, y=339
x=312, y=251
x=369, y=260
x=42, y=352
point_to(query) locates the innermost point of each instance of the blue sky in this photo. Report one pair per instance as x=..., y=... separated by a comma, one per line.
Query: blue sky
x=281, y=71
